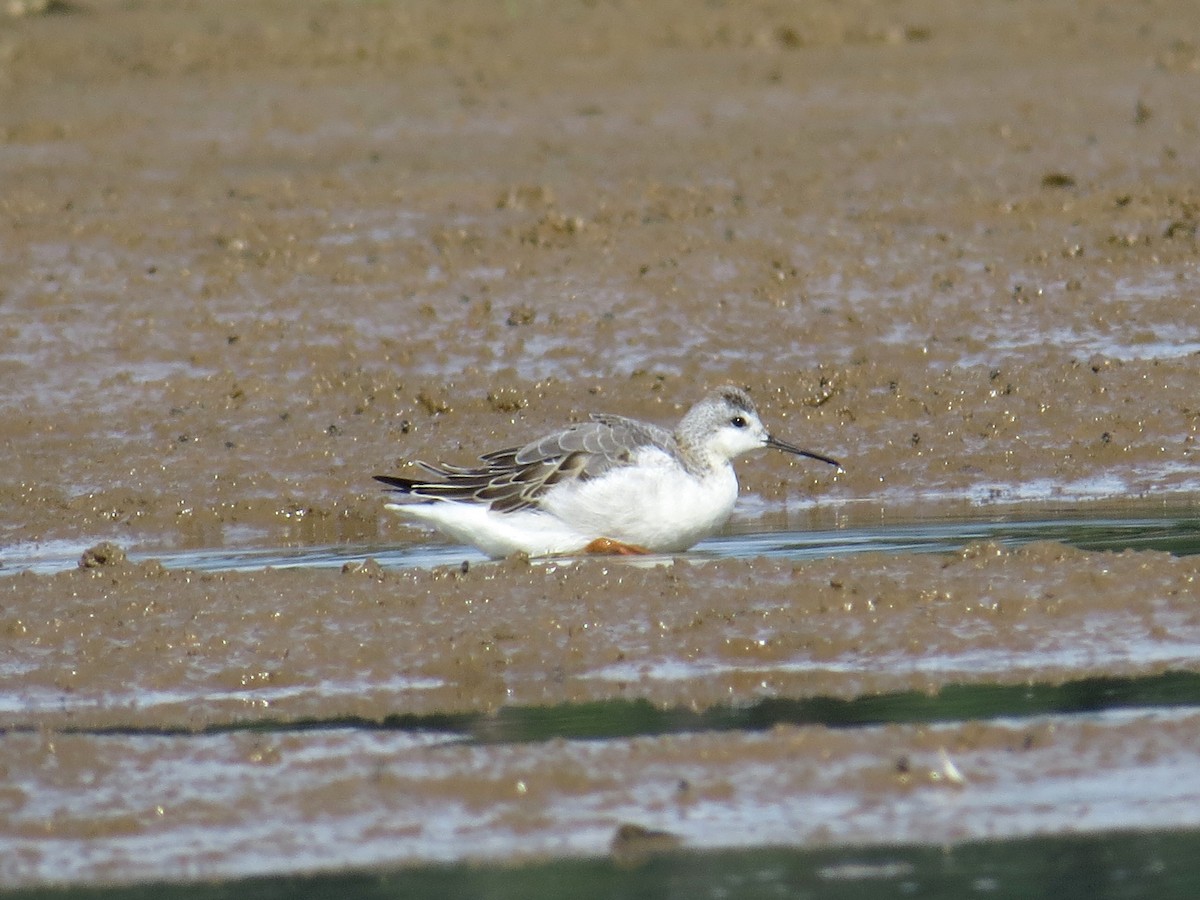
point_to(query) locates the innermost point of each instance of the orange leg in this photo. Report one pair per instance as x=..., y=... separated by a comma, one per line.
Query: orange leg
x=609, y=547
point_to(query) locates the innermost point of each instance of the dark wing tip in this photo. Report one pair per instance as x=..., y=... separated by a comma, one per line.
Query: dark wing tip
x=399, y=484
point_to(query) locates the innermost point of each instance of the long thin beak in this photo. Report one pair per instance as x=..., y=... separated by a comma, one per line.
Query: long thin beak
x=788, y=448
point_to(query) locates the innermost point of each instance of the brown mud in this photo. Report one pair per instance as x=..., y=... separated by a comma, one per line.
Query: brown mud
x=252, y=254
x=143, y=646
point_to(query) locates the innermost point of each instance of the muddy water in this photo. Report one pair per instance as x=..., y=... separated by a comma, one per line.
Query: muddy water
x=251, y=255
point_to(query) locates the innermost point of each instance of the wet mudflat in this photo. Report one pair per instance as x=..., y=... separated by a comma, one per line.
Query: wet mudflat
x=252, y=254
x=184, y=724
x=140, y=645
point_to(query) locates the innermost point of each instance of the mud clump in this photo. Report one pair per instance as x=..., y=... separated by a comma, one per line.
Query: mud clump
x=102, y=555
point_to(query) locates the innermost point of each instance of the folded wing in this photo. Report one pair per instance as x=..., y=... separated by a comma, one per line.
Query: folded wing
x=518, y=477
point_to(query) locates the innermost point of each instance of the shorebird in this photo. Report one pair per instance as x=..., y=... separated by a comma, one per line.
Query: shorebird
x=609, y=485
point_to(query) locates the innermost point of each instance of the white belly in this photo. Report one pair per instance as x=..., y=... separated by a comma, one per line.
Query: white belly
x=654, y=504
x=496, y=534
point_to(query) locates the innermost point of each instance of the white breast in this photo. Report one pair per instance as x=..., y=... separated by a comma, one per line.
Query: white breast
x=653, y=503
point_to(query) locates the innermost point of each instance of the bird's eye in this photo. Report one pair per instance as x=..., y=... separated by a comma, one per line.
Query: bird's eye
x=738, y=422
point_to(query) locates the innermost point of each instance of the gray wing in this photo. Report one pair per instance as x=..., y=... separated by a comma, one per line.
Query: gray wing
x=518, y=477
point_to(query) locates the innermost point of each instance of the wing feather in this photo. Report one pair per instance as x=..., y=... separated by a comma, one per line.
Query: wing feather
x=516, y=478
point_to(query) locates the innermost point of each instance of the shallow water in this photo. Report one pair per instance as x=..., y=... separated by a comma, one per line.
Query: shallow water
x=1119, y=864
x=558, y=782
x=1177, y=534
